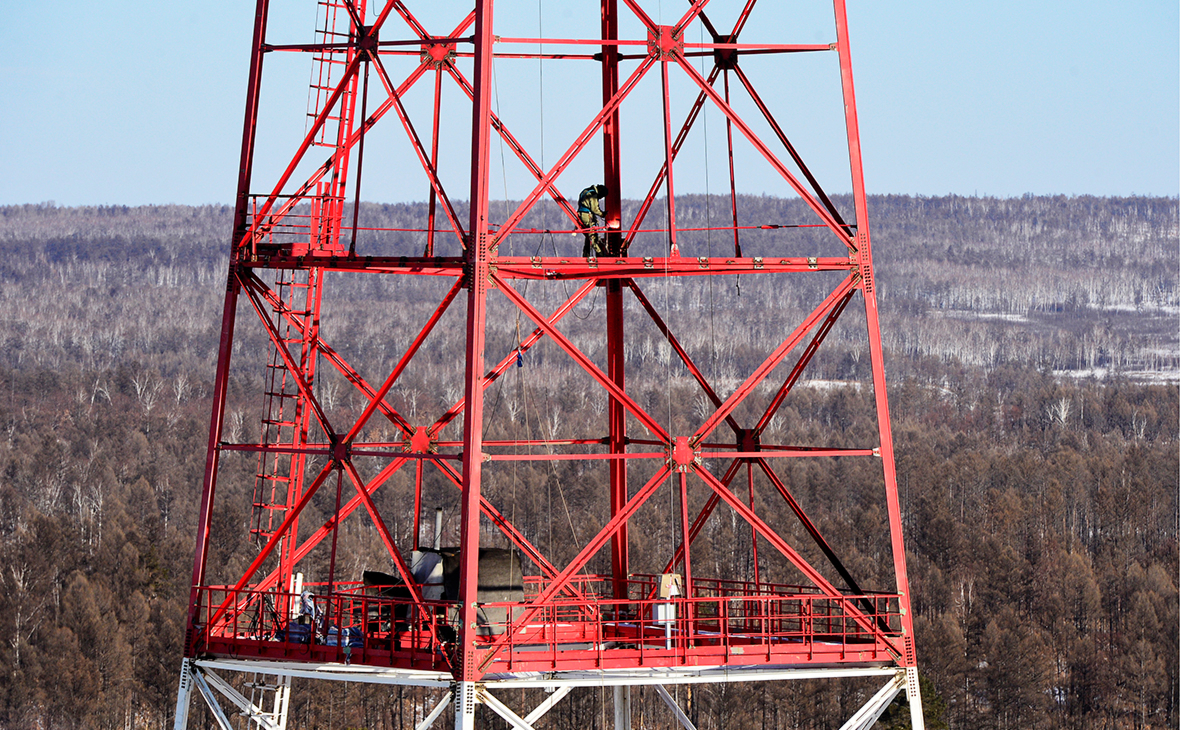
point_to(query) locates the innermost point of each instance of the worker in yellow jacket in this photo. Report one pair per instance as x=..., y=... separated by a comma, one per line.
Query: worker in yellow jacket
x=590, y=207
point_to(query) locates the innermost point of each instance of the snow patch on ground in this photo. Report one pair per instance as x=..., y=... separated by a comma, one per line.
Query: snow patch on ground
x=830, y=384
x=970, y=314
x=1162, y=377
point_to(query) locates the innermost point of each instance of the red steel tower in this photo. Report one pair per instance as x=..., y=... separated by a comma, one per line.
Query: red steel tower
x=502, y=608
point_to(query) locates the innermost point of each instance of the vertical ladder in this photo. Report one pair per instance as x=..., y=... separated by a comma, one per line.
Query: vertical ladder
x=286, y=415
x=333, y=26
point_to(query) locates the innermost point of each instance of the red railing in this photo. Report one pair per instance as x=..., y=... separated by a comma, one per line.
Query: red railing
x=721, y=623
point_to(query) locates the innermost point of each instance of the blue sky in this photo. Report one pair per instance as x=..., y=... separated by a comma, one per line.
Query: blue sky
x=141, y=103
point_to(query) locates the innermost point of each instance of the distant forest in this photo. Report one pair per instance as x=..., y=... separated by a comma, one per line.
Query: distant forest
x=1033, y=356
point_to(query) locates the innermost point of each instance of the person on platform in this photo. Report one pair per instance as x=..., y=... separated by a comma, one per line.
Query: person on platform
x=589, y=210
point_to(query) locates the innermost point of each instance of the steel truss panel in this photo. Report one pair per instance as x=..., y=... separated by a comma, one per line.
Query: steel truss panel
x=301, y=234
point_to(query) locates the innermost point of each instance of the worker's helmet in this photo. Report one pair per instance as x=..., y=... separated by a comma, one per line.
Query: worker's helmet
x=601, y=190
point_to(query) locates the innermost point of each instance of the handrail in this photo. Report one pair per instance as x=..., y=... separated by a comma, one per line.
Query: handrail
x=725, y=621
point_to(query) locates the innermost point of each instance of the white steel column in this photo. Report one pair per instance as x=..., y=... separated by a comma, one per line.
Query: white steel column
x=464, y=705
x=184, y=693
x=913, y=694
x=622, y=708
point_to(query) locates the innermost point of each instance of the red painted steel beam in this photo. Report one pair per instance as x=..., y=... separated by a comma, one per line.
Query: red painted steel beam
x=743, y=18
x=778, y=543
x=804, y=360
x=616, y=358
x=478, y=254
x=434, y=163
x=761, y=147
x=669, y=176
x=213, y=452
x=653, y=267
x=737, y=246
x=577, y=456
x=774, y=452
x=250, y=130
x=360, y=160
x=616, y=417
x=579, y=144
x=753, y=532
x=773, y=360
x=580, y=358
x=612, y=172
x=562, y=580
x=698, y=8
x=292, y=366
x=570, y=267
x=681, y=352
x=642, y=16
x=685, y=541
x=876, y=356
x=518, y=149
x=495, y=373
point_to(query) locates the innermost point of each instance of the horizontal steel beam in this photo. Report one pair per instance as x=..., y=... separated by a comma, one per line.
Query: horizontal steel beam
x=529, y=680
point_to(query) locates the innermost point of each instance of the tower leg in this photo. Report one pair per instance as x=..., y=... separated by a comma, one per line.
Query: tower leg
x=622, y=708
x=184, y=694
x=464, y=705
x=913, y=694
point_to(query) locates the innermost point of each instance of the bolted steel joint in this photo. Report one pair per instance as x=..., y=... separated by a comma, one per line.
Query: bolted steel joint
x=682, y=456
x=665, y=42
x=748, y=440
x=367, y=40
x=420, y=441
x=438, y=55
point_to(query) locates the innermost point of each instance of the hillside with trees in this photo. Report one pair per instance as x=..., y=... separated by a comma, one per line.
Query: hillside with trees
x=1033, y=355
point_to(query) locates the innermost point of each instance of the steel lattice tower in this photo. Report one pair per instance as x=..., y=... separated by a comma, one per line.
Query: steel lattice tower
x=295, y=239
